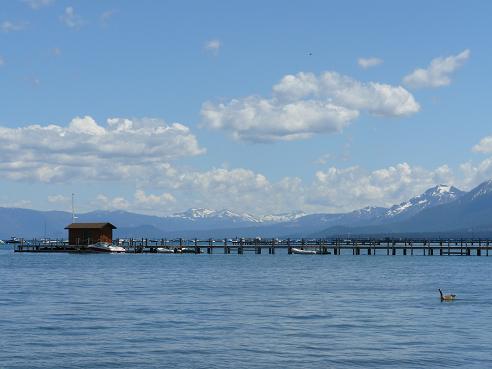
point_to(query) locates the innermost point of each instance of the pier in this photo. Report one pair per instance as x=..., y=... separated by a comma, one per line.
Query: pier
x=326, y=246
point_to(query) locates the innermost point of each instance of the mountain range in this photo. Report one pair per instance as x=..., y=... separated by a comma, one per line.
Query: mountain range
x=441, y=209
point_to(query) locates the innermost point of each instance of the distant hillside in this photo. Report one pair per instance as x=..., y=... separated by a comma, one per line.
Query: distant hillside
x=440, y=209
x=469, y=213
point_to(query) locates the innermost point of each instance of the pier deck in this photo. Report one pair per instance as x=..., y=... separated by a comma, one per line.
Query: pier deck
x=328, y=246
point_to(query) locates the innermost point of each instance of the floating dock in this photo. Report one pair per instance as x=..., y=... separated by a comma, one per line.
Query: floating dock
x=328, y=246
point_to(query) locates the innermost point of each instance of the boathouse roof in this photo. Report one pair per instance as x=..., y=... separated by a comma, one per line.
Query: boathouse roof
x=89, y=226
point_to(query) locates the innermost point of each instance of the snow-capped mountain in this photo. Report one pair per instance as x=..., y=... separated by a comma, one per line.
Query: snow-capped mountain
x=202, y=213
x=370, y=216
x=481, y=190
x=224, y=214
x=284, y=217
x=438, y=195
x=441, y=208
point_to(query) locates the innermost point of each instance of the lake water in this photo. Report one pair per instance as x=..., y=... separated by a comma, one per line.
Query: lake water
x=243, y=311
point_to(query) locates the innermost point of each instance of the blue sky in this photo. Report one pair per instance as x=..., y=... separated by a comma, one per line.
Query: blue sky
x=260, y=107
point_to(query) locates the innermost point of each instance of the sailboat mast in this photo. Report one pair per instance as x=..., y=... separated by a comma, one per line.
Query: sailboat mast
x=73, y=208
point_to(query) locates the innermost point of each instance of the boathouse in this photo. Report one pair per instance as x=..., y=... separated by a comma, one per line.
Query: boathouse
x=88, y=233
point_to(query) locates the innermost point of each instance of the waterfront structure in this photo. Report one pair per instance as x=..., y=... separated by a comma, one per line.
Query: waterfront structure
x=89, y=233
x=326, y=246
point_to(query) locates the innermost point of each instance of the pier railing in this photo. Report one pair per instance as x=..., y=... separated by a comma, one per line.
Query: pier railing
x=323, y=246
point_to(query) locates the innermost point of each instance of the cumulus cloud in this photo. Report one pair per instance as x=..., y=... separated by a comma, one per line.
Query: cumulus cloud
x=151, y=200
x=484, y=146
x=332, y=190
x=71, y=19
x=305, y=104
x=473, y=174
x=116, y=203
x=262, y=120
x=337, y=187
x=120, y=149
x=240, y=189
x=9, y=26
x=140, y=202
x=438, y=73
x=369, y=62
x=213, y=46
x=37, y=4
x=482, y=171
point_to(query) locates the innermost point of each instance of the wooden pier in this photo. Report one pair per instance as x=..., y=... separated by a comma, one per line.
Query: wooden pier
x=327, y=246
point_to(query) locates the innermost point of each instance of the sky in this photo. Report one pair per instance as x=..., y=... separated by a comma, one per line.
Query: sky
x=259, y=106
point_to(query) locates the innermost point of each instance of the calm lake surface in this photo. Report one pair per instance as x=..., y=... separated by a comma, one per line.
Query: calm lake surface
x=243, y=311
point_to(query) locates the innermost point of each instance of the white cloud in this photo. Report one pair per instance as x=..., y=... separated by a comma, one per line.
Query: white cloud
x=71, y=19
x=213, y=46
x=477, y=173
x=37, y=4
x=375, y=98
x=58, y=199
x=151, y=201
x=116, y=203
x=484, y=146
x=332, y=190
x=305, y=104
x=473, y=174
x=369, y=62
x=9, y=26
x=238, y=188
x=335, y=188
x=121, y=149
x=141, y=202
x=257, y=119
x=437, y=74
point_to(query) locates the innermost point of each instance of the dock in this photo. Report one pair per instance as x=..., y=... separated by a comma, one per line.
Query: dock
x=326, y=246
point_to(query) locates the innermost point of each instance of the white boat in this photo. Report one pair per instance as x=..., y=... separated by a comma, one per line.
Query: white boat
x=165, y=250
x=186, y=250
x=2, y=243
x=105, y=247
x=13, y=240
x=303, y=252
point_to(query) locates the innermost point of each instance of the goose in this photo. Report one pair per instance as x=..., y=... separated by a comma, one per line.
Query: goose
x=446, y=297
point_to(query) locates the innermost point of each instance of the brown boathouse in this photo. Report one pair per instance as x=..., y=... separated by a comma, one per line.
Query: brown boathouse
x=88, y=233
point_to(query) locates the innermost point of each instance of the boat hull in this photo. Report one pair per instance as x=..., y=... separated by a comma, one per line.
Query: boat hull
x=103, y=247
x=303, y=252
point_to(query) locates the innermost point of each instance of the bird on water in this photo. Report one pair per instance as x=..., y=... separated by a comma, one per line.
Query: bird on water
x=446, y=297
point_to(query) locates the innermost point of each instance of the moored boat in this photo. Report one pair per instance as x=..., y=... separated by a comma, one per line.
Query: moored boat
x=14, y=240
x=105, y=247
x=303, y=252
x=186, y=250
x=164, y=250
